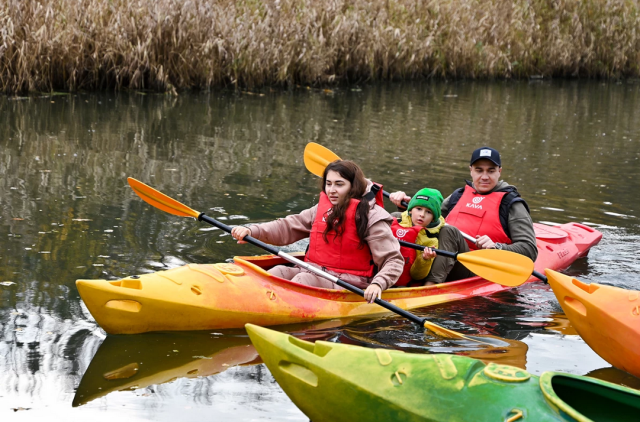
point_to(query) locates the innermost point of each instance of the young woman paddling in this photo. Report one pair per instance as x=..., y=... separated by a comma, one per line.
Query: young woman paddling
x=349, y=235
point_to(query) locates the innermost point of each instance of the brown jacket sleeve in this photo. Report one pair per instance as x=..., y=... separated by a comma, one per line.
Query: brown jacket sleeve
x=385, y=250
x=285, y=231
x=384, y=247
x=523, y=236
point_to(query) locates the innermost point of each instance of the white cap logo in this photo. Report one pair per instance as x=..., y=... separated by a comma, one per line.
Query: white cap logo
x=485, y=153
x=478, y=199
x=401, y=232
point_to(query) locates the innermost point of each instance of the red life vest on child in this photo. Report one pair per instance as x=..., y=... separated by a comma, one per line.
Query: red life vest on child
x=342, y=254
x=408, y=234
x=477, y=214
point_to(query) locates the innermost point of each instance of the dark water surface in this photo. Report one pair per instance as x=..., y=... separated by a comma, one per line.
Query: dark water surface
x=572, y=148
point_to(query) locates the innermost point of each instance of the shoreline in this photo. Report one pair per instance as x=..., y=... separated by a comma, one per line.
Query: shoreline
x=177, y=45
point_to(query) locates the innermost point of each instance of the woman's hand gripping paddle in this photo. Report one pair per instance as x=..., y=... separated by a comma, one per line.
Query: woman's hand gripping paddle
x=170, y=205
x=503, y=267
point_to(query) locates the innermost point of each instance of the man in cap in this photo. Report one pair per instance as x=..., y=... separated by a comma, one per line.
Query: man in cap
x=488, y=209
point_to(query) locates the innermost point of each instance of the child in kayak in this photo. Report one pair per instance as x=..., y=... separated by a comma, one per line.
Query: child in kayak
x=349, y=235
x=419, y=224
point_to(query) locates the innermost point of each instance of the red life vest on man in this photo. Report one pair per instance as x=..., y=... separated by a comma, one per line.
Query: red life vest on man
x=478, y=214
x=341, y=254
x=408, y=234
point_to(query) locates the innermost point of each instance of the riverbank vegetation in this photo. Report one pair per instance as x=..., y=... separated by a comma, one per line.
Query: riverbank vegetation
x=168, y=45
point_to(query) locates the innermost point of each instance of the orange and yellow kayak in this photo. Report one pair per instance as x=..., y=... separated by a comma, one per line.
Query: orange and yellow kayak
x=217, y=296
x=606, y=317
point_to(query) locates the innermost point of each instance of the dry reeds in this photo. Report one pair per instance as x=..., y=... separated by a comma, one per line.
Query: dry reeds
x=177, y=44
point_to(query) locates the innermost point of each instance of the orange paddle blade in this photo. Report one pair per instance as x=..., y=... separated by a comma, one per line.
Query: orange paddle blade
x=317, y=157
x=160, y=200
x=502, y=267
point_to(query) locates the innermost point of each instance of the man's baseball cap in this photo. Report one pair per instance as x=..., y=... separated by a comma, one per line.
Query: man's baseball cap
x=486, y=153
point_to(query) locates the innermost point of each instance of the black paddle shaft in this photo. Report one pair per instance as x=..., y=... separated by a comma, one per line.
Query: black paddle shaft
x=404, y=203
x=541, y=277
x=422, y=248
x=393, y=308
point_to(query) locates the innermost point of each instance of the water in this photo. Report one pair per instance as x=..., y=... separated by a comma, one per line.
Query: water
x=572, y=148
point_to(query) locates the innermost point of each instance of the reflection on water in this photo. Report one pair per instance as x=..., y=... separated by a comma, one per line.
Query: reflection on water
x=572, y=148
x=616, y=376
x=135, y=362
x=560, y=323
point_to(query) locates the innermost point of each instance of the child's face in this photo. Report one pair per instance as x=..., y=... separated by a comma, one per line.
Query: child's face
x=421, y=216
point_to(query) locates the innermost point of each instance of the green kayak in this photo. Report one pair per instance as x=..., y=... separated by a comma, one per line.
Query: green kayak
x=339, y=382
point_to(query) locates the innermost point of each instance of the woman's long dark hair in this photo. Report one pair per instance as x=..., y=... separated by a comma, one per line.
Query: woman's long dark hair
x=351, y=172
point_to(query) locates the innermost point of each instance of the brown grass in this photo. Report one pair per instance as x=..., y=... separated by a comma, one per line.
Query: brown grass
x=166, y=45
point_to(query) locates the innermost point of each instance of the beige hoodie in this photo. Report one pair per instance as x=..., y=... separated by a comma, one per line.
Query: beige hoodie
x=385, y=249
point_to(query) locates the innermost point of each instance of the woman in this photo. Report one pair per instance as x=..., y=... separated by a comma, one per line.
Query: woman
x=349, y=235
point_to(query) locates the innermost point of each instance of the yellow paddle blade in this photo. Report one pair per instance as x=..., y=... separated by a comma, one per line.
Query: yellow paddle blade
x=502, y=267
x=447, y=333
x=317, y=157
x=441, y=331
x=160, y=200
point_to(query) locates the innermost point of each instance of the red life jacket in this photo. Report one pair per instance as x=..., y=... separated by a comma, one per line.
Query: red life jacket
x=408, y=234
x=478, y=214
x=342, y=254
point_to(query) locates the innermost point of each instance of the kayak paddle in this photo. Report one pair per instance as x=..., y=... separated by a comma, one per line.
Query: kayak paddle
x=171, y=206
x=503, y=267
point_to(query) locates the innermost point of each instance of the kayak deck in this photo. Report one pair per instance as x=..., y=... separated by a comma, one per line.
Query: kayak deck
x=217, y=296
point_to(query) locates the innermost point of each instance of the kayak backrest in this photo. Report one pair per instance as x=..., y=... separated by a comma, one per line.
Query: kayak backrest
x=549, y=233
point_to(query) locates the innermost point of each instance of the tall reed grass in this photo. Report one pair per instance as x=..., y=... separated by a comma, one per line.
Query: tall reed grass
x=178, y=44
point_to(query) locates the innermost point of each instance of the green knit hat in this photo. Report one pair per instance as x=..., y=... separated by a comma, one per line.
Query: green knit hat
x=428, y=198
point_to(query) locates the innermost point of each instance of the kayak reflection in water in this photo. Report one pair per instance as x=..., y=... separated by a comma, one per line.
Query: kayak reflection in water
x=349, y=234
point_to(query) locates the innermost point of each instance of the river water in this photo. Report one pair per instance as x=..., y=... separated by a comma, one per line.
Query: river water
x=572, y=148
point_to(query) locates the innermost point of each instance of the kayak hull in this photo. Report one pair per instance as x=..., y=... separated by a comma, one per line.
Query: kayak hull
x=339, y=382
x=606, y=317
x=218, y=296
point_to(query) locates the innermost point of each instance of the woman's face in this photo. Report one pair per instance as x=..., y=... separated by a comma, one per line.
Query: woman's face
x=337, y=187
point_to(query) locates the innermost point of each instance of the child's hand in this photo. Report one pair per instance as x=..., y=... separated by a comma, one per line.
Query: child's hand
x=398, y=197
x=428, y=254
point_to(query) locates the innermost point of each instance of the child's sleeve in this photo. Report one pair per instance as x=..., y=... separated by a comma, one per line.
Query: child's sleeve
x=421, y=267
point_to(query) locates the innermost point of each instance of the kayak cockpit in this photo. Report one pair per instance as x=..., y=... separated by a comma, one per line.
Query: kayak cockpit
x=263, y=263
x=585, y=400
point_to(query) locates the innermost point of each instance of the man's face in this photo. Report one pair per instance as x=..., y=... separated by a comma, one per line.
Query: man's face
x=485, y=175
